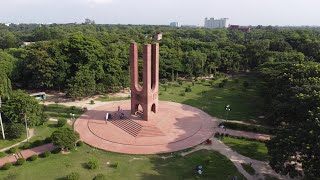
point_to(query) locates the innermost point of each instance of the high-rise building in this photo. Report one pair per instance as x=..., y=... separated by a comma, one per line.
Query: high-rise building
x=175, y=24
x=216, y=23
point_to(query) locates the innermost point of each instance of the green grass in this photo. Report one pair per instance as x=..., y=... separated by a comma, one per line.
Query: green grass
x=250, y=148
x=57, y=166
x=108, y=98
x=9, y=142
x=246, y=104
x=60, y=111
x=248, y=168
x=248, y=128
x=44, y=131
x=40, y=133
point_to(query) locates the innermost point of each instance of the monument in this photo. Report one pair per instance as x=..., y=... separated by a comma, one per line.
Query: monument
x=156, y=127
x=147, y=95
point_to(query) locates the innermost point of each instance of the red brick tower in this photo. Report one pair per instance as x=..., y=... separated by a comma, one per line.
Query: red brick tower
x=146, y=96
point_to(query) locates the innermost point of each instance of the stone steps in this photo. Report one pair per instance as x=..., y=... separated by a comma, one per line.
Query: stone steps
x=150, y=131
x=126, y=125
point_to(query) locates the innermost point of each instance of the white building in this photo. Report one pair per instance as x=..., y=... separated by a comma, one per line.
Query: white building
x=175, y=24
x=216, y=23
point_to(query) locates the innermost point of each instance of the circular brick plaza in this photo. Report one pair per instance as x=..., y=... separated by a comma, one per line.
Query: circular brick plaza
x=175, y=127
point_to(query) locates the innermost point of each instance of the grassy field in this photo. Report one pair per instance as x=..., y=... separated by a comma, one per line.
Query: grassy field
x=253, y=149
x=57, y=166
x=245, y=103
x=60, y=111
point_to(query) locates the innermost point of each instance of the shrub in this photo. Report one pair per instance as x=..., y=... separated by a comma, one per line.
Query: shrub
x=225, y=81
x=7, y=166
x=37, y=143
x=47, y=140
x=249, y=128
x=236, y=80
x=221, y=85
x=211, y=83
x=61, y=122
x=180, y=82
x=13, y=150
x=114, y=165
x=188, y=89
x=92, y=102
x=45, y=154
x=245, y=84
x=2, y=154
x=100, y=177
x=165, y=86
x=16, y=130
x=93, y=164
x=10, y=177
x=26, y=145
x=182, y=94
x=56, y=151
x=80, y=143
x=33, y=157
x=73, y=176
x=20, y=161
x=203, y=80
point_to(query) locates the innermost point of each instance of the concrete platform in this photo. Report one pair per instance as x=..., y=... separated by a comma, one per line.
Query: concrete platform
x=175, y=127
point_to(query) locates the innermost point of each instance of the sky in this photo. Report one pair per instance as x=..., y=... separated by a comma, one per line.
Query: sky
x=162, y=12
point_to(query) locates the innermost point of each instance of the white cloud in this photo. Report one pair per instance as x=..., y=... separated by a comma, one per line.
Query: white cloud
x=100, y=1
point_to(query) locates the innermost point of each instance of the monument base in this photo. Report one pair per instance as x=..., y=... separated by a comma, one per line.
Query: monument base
x=175, y=127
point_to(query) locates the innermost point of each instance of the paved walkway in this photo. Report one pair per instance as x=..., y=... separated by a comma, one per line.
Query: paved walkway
x=260, y=167
x=175, y=127
x=27, y=153
x=31, y=134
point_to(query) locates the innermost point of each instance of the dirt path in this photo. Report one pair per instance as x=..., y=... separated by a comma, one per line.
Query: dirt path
x=31, y=134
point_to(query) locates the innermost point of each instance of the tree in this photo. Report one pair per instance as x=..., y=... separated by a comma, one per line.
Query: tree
x=20, y=105
x=65, y=138
x=293, y=107
x=15, y=130
x=82, y=85
x=7, y=40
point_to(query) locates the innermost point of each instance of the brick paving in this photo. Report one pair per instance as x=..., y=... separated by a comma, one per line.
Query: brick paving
x=27, y=153
x=175, y=127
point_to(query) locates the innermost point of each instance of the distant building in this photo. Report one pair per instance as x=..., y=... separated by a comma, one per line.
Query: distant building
x=157, y=37
x=240, y=28
x=216, y=23
x=175, y=24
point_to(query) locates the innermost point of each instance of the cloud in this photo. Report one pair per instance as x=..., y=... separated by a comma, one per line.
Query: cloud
x=100, y=1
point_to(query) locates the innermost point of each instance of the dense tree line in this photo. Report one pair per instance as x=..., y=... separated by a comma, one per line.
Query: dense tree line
x=292, y=95
x=87, y=59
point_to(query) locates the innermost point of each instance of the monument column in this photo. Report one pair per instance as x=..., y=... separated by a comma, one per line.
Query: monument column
x=146, y=96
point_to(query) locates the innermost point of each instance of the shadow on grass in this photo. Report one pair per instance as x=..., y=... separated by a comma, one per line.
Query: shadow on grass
x=215, y=166
x=253, y=149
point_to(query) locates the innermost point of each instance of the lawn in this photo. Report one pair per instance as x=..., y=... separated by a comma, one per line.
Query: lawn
x=60, y=111
x=145, y=167
x=245, y=103
x=250, y=148
x=40, y=133
x=110, y=98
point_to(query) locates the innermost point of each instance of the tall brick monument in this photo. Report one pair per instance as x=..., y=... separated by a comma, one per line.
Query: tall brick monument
x=147, y=95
